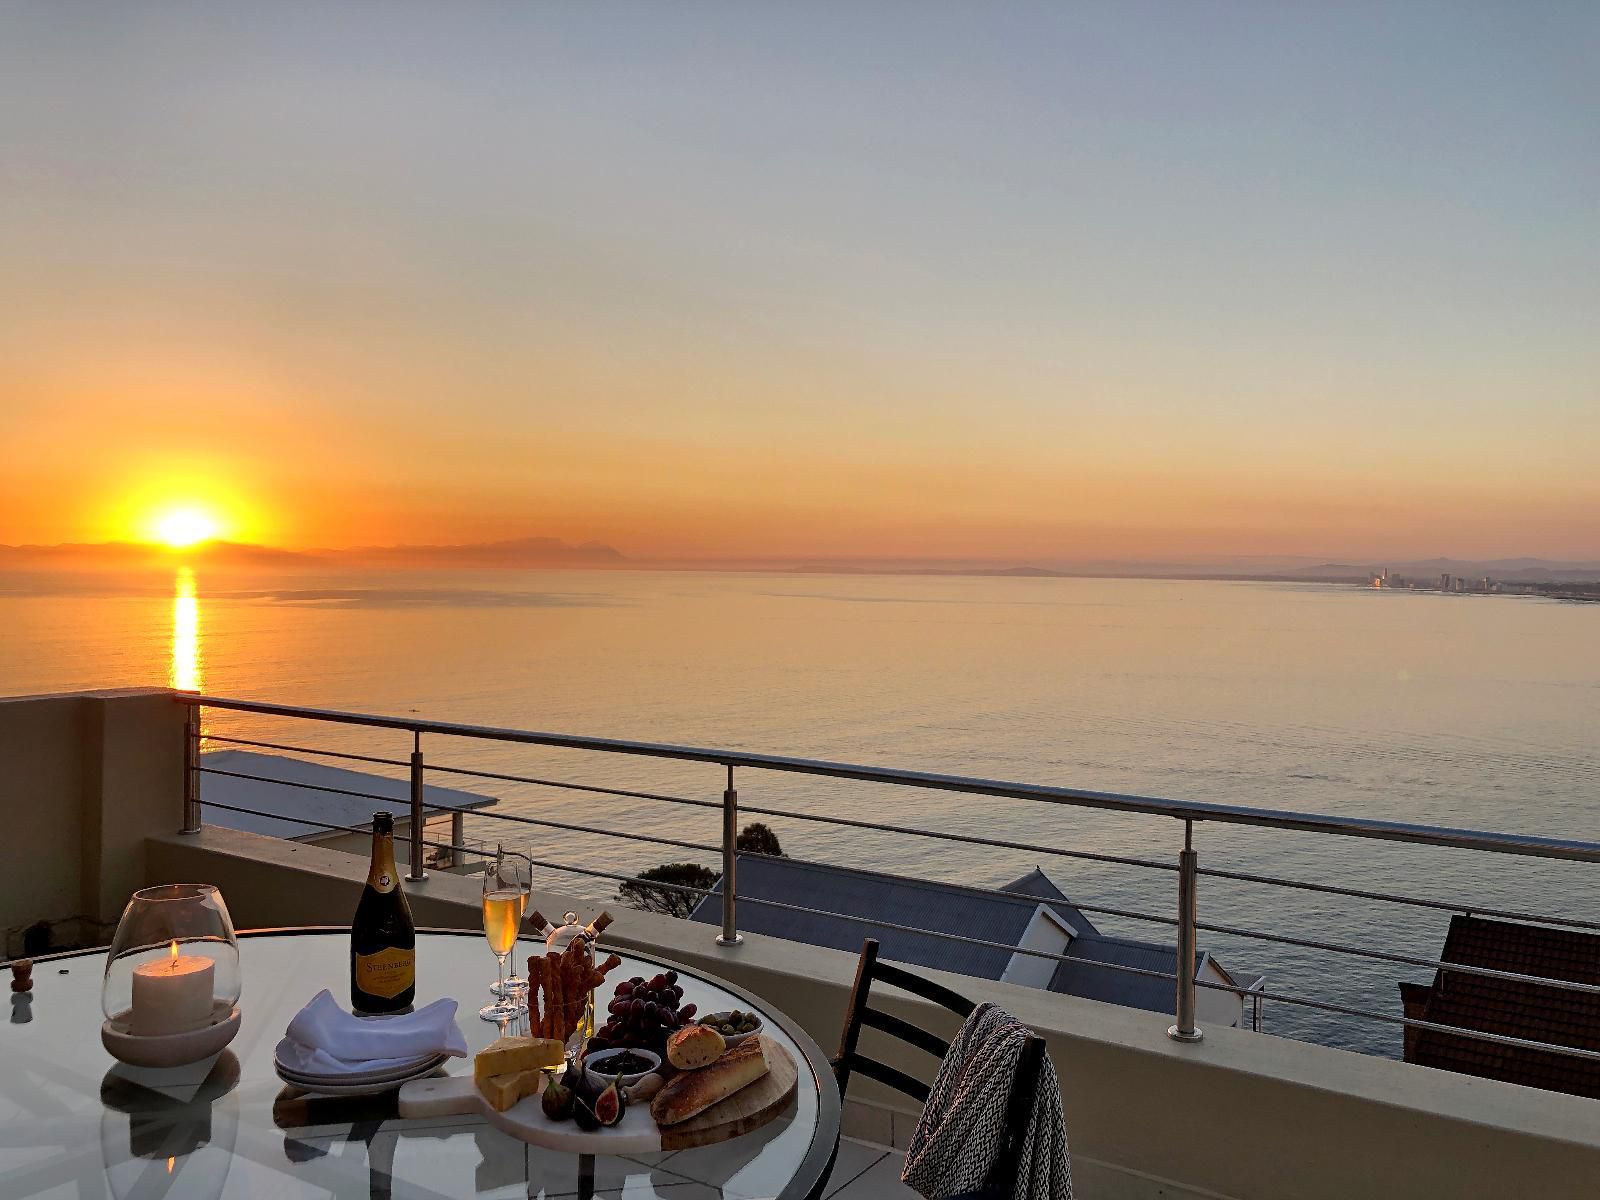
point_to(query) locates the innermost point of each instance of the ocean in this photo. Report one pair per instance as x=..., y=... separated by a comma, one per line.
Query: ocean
x=1476, y=711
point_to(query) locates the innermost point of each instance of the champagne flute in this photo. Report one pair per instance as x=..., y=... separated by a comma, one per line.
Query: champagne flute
x=515, y=985
x=503, y=900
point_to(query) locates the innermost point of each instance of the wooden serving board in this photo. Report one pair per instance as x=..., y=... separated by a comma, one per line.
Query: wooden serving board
x=637, y=1133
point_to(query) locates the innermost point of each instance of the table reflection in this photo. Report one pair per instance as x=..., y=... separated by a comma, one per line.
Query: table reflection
x=169, y=1129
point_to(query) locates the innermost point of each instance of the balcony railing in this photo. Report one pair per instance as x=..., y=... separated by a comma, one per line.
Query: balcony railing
x=1185, y=923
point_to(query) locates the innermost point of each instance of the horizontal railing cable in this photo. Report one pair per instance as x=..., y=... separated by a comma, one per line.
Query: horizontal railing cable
x=1183, y=810
x=934, y=834
x=368, y=758
x=570, y=786
x=966, y=839
x=435, y=808
x=570, y=826
x=312, y=787
x=873, y=923
x=1393, y=898
x=1397, y=957
x=1479, y=1035
x=759, y=810
x=1032, y=847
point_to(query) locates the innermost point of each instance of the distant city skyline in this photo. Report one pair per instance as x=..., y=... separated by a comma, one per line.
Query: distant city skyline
x=1133, y=282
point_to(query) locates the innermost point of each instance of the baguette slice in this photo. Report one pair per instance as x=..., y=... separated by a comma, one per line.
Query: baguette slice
x=693, y=1092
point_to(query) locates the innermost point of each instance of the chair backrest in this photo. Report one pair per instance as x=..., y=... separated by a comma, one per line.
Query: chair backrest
x=851, y=1061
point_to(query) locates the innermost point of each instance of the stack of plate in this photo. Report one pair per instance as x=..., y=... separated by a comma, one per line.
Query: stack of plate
x=355, y=1081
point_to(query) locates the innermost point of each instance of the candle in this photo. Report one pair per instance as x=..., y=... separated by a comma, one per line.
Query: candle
x=171, y=994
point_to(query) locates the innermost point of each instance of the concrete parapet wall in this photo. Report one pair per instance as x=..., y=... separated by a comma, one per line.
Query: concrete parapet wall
x=85, y=778
x=1239, y=1115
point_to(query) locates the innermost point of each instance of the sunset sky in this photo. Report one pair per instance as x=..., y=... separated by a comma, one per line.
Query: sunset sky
x=1077, y=281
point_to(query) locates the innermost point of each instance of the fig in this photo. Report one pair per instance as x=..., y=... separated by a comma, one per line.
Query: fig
x=557, y=1101
x=584, y=1115
x=611, y=1103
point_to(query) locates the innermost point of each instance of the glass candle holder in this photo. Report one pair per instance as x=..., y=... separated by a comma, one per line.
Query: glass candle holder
x=174, y=964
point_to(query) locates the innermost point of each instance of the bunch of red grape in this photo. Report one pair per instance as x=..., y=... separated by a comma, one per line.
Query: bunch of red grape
x=643, y=1014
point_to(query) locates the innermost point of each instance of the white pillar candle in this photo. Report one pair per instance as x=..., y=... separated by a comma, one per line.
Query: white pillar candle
x=171, y=994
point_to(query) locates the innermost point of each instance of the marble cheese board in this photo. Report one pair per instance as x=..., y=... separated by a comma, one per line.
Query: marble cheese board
x=637, y=1133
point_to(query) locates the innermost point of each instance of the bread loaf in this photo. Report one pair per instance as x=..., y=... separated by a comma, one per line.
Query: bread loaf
x=695, y=1046
x=695, y=1091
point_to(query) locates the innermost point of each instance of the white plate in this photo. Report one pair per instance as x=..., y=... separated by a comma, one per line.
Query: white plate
x=370, y=1088
x=406, y=1070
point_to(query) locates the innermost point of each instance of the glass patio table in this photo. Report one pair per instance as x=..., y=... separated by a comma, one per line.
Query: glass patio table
x=76, y=1123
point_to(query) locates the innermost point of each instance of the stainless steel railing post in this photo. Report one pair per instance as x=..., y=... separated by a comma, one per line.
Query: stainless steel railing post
x=191, y=770
x=1188, y=867
x=416, y=872
x=730, y=846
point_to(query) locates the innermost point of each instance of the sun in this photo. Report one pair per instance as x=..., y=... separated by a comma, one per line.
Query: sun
x=182, y=527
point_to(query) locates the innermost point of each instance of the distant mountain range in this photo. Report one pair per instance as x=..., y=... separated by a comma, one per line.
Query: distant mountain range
x=549, y=552
x=518, y=552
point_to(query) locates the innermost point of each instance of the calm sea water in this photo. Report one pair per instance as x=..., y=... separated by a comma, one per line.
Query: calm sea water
x=1460, y=710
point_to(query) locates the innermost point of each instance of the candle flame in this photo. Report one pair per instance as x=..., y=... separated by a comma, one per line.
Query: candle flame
x=170, y=1161
x=173, y=961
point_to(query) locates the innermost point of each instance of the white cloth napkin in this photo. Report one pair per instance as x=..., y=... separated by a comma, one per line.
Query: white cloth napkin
x=324, y=1039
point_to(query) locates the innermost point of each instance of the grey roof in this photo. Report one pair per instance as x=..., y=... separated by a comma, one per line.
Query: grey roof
x=1037, y=883
x=290, y=802
x=1081, y=978
x=949, y=908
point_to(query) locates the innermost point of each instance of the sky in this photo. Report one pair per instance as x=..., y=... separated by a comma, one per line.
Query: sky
x=1039, y=282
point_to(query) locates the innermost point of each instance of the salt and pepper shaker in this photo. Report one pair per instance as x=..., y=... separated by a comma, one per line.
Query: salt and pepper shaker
x=22, y=991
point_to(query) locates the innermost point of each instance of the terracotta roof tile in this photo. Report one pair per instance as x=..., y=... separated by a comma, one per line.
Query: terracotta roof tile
x=1525, y=1010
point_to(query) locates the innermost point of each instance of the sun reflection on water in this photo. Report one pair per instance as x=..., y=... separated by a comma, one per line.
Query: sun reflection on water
x=185, y=671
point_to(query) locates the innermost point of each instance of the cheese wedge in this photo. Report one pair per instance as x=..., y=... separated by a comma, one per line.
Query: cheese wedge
x=502, y=1091
x=512, y=1054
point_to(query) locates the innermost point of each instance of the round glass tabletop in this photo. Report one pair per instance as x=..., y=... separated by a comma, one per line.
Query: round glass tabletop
x=74, y=1122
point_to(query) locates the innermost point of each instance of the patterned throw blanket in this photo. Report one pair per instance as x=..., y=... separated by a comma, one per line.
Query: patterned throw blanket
x=962, y=1129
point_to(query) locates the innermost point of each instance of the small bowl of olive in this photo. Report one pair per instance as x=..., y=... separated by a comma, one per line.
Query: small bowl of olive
x=734, y=1026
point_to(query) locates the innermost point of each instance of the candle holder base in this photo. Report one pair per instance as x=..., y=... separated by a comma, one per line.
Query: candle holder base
x=170, y=1049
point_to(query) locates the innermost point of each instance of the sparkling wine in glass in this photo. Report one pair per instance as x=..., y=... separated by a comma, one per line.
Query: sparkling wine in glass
x=522, y=867
x=503, y=902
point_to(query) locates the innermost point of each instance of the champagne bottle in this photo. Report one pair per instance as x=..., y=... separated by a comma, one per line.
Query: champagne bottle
x=383, y=941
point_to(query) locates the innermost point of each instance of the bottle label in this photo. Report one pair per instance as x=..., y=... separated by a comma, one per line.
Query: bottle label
x=386, y=973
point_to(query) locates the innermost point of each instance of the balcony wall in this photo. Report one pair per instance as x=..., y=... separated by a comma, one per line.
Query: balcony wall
x=85, y=777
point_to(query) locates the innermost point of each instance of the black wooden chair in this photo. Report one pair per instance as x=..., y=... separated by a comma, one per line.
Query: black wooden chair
x=850, y=1061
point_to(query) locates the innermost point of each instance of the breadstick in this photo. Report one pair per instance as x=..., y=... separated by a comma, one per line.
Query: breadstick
x=610, y=964
x=535, y=980
x=553, y=996
x=576, y=968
